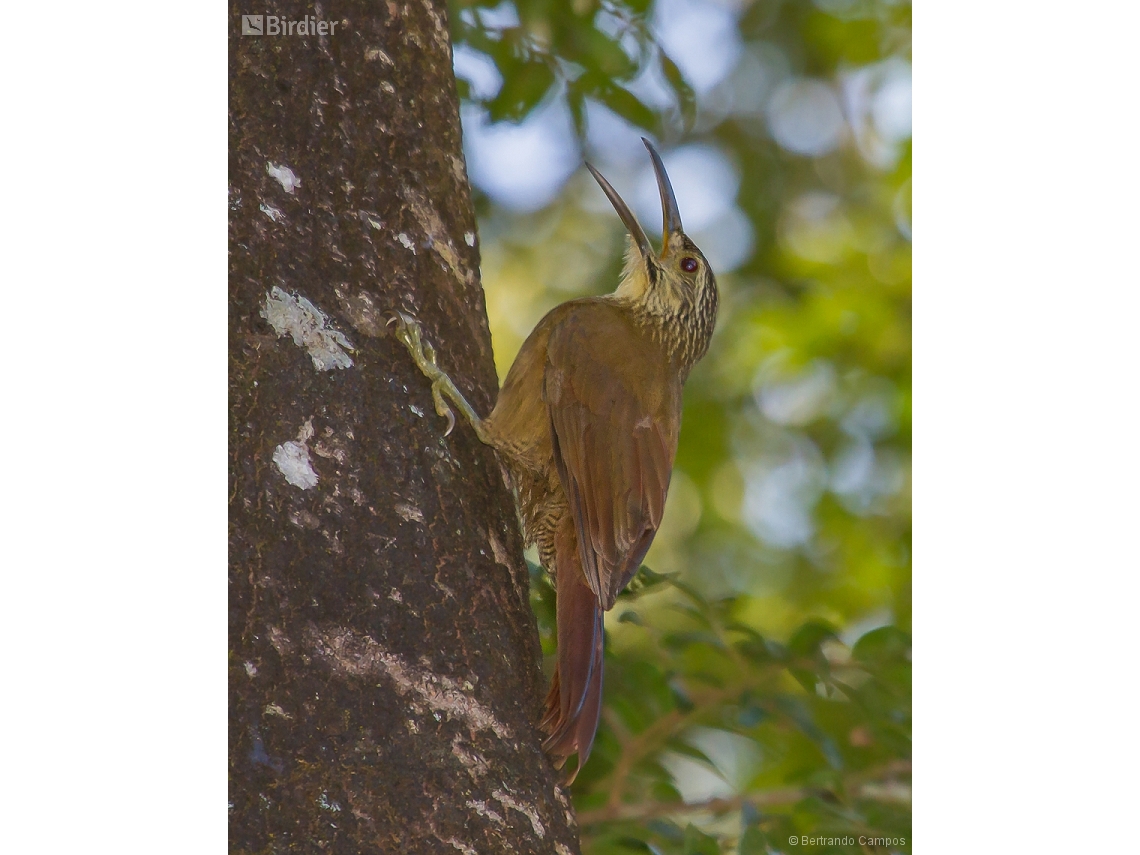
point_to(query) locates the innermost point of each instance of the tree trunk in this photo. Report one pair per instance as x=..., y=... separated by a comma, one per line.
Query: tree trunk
x=384, y=663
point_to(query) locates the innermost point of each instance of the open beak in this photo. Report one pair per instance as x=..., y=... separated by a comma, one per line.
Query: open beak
x=670, y=214
x=627, y=217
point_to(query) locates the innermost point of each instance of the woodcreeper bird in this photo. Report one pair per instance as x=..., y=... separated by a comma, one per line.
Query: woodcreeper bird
x=587, y=423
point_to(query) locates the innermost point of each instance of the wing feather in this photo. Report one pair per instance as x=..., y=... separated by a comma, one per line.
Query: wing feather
x=614, y=425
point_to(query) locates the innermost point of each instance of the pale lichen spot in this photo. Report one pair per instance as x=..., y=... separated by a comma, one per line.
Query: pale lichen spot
x=432, y=224
x=440, y=30
x=458, y=170
x=374, y=53
x=299, y=318
x=274, y=214
x=361, y=656
x=480, y=807
x=409, y=513
x=460, y=845
x=507, y=800
x=285, y=177
x=476, y=766
x=292, y=458
x=371, y=218
x=469, y=238
x=561, y=796
x=363, y=312
x=501, y=555
x=280, y=640
x=331, y=452
x=407, y=242
x=304, y=519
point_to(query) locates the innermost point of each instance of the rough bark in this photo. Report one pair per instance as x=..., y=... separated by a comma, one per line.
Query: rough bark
x=384, y=662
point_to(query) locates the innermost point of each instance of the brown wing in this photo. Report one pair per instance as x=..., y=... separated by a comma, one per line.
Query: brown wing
x=614, y=405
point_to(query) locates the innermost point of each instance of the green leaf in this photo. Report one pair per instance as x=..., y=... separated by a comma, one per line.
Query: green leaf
x=686, y=98
x=800, y=713
x=680, y=696
x=809, y=637
x=601, y=88
x=524, y=86
x=777, y=651
x=692, y=593
x=678, y=745
x=633, y=844
x=755, y=647
x=628, y=106
x=805, y=678
x=665, y=827
x=645, y=580
x=699, y=843
x=753, y=842
x=607, y=57
x=882, y=646
x=577, y=104
x=679, y=640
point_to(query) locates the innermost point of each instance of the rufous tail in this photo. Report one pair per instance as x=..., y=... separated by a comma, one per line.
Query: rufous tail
x=574, y=702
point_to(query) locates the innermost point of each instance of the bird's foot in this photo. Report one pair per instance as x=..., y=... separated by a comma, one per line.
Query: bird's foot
x=407, y=330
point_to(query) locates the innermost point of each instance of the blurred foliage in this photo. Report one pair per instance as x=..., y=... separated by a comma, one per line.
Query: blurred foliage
x=758, y=678
x=588, y=47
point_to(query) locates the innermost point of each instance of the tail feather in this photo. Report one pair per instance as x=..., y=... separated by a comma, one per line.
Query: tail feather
x=574, y=703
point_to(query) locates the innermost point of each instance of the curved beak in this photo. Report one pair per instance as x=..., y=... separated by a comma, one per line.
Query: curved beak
x=627, y=217
x=670, y=213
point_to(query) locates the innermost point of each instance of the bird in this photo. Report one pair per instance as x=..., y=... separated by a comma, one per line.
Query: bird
x=587, y=422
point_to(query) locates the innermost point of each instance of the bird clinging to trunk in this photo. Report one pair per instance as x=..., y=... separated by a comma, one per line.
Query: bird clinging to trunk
x=587, y=422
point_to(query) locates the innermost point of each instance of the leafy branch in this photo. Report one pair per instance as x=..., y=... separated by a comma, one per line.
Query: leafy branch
x=867, y=785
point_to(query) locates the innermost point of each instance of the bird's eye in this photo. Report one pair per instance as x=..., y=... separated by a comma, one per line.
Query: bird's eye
x=688, y=264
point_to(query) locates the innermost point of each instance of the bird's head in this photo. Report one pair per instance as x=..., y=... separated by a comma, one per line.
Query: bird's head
x=677, y=285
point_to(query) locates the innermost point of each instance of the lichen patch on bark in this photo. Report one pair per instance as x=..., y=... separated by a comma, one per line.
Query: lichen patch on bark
x=298, y=318
x=361, y=656
x=285, y=177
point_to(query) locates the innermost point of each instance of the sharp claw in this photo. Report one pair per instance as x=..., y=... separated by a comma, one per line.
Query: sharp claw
x=404, y=322
x=450, y=422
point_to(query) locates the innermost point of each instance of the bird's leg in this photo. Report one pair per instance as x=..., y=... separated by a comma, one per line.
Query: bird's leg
x=423, y=354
